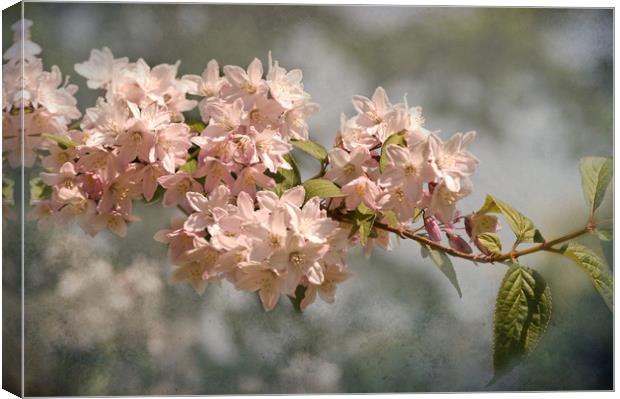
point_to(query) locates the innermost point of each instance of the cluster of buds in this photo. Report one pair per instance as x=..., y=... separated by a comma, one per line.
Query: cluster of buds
x=386, y=160
x=269, y=244
x=34, y=101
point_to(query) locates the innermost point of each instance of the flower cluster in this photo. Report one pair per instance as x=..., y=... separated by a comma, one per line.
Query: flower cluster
x=249, y=122
x=386, y=160
x=225, y=174
x=46, y=104
x=272, y=244
x=133, y=137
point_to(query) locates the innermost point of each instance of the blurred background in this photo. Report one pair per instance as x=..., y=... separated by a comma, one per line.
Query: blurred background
x=536, y=84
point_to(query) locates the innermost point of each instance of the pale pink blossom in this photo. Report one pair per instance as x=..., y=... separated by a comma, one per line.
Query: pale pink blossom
x=177, y=186
x=347, y=166
x=361, y=190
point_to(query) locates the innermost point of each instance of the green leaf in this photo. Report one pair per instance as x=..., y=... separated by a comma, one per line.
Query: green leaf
x=321, y=188
x=444, y=264
x=39, y=190
x=396, y=138
x=63, y=141
x=310, y=147
x=157, y=196
x=605, y=230
x=522, y=313
x=596, y=268
x=491, y=242
x=196, y=126
x=521, y=225
x=286, y=178
x=392, y=220
x=363, y=220
x=300, y=293
x=596, y=174
x=189, y=166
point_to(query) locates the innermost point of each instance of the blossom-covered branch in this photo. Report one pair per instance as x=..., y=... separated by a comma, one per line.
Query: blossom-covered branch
x=247, y=216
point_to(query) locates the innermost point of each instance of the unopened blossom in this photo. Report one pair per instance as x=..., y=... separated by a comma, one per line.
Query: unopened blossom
x=457, y=242
x=432, y=228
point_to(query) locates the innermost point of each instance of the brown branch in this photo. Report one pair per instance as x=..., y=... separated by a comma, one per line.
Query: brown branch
x=480, y=258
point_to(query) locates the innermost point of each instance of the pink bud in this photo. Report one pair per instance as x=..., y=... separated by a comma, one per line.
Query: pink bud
x=432, y=228
x=458, y=243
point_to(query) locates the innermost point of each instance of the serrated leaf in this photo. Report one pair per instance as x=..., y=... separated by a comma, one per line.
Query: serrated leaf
x=491, y=242
x=522, y=313
x=63, y=141
x=600, y=275
x=396, y=138
x=189, y=166
x=604, y=234
x=286, y=178
x=444, y=264
x=522, y=226
x=321, y=188
x=316, y=150
x=596, y=174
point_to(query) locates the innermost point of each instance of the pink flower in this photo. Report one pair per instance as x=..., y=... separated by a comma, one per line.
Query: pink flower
x=271, y=149
x=298, y=258
x=348, y=166
x=285, y=87
x=177, y=186
x=246, y=85
x=251, y=177
x=216, y=172
x=451, y=161
x=261, y=277
x=210, y=83
x=406, y=170
x=179, y=240
x=361, y=190
x=334, y=275
x=204, y=207
x=443, y=200
x=171, y=145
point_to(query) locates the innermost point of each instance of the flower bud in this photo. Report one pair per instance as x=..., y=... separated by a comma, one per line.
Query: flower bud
x=432, y=228
x=458, y=243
